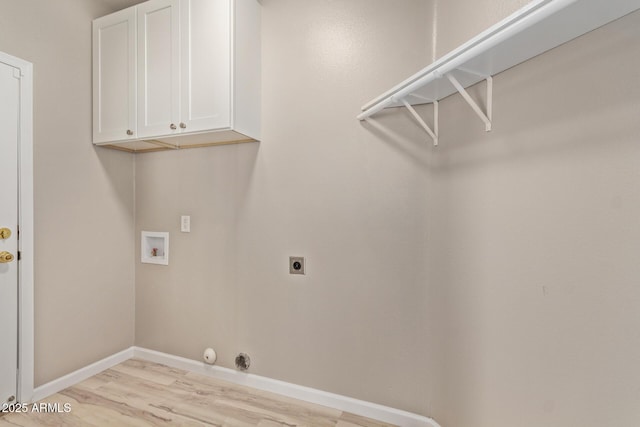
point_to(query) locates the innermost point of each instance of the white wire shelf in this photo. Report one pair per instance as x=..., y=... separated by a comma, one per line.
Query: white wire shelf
x=534, y=29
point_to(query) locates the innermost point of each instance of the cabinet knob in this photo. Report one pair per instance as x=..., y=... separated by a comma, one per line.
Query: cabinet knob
x=173, y=127
x=5, y=233
x=5, y=257
x=129, y=132
x=183, y=126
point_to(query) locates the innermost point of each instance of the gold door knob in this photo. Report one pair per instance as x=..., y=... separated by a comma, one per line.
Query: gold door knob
x=5, y=233
x=5, y=257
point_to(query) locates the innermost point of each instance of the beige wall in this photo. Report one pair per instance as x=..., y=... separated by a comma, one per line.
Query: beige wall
x=347, y=196
x=190, y=305
x=534, y=242
x=456, y=21
x=83, y=196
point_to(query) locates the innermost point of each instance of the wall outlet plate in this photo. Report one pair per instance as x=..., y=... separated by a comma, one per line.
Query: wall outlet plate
x=185, y=223
x=296, y=265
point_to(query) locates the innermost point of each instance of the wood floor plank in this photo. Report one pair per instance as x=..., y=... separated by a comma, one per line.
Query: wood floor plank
x=154, y=367
x=150, y=375
x=261, y=400
x=96, y=400
x=137, y=393
x=200, y=382
x=360, y=421
x=143, y=400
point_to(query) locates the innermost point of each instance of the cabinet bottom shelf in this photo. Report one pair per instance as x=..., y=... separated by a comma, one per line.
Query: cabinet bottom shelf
x=179, y=142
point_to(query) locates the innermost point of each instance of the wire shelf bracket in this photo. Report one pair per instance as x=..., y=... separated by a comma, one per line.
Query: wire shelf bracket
x=486, y=118
x=433, y=133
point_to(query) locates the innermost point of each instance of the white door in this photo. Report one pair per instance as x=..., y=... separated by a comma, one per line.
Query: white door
x=9, y=115
x=158, y=68
x=114, y=77
x=205, y=27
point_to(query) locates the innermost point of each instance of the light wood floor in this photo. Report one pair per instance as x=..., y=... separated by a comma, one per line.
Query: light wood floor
x=140, y=393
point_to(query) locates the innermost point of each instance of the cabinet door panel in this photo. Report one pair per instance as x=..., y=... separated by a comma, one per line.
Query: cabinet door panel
x=158, y=67
x=114, y=77
x=206, y=64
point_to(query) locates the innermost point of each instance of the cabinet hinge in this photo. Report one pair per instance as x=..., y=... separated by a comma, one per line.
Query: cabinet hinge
x=19, y=255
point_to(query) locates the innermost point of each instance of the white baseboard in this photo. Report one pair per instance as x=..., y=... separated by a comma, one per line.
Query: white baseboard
x=343, y=403
x=80, y=375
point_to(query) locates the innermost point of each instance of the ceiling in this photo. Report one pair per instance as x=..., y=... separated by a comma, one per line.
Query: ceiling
x=120, y=4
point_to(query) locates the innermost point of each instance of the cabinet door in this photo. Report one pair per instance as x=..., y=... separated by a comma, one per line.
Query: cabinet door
x=114, y=77
x=158, y=68
x=205, y=27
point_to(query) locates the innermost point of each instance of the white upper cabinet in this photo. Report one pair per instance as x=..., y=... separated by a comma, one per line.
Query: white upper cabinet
x=195, y=77
x=158, y=68
x=114, y=77
x=205, y=99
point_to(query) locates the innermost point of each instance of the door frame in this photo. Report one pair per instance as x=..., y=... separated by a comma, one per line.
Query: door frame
x=25, y=242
